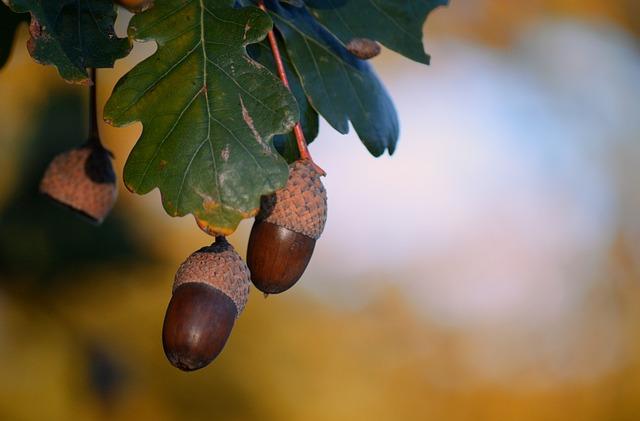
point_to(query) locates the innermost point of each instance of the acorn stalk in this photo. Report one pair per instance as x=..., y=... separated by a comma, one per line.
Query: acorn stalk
x=290, y=221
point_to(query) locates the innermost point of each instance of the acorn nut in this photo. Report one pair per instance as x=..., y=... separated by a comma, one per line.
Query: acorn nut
x=210, y=291
x=285, y=231
x=83, y=180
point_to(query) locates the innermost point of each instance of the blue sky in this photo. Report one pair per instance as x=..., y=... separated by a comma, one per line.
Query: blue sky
x=505, y=193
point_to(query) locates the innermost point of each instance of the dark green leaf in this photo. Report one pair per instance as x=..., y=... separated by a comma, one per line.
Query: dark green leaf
x=9, y=22
x=286, y=144
x=339, y=86
x=209, y=112
x=73, y=35
x=395, y=23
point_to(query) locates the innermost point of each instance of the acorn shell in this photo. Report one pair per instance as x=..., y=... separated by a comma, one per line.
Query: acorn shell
x=82, y=179
x=277, y=256
x=197, y=325
x=221, y=267
x=301, y=206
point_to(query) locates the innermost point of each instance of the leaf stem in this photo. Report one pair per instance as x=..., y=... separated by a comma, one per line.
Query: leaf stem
x=282, y=74
x=94, y=134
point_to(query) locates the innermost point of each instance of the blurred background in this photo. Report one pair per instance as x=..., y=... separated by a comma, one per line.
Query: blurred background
x=489, y=270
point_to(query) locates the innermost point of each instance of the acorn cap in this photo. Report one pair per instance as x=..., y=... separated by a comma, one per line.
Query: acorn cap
x=301, y=206
x=82, y=179
x=364, y=48
x=221, y=267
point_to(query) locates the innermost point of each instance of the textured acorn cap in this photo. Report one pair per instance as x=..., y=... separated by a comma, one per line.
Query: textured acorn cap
x=221, y=267
x=301, y=206
x=364, y=48
x=82, y=179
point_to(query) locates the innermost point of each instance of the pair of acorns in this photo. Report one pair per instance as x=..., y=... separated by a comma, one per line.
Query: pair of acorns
x=211, y=287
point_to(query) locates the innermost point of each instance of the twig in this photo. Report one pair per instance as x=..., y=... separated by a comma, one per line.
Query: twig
x=94, y=133
x=282, y=74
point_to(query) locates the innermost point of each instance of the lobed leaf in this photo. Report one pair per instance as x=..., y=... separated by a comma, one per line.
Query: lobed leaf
x=73, y=35
x=208, y=112
x=339, y=86
x=395, y=23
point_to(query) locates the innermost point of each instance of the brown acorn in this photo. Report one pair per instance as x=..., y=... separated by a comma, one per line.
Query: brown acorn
x=364, y=48
x=285, y=231
x=210, y=291
x=83, y=180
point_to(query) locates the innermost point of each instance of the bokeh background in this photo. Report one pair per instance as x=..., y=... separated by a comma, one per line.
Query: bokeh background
x=489, y=270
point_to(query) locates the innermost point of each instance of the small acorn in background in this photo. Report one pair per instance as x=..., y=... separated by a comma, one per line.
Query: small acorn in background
x=285, y=231
x=83, y=180
x=364, y=48
x=210, y=291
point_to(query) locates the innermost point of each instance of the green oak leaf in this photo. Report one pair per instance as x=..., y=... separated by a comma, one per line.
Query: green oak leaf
x=395, y=23
x=339, y=86
x=208, y=112
x=73, y=35
x=286, y=144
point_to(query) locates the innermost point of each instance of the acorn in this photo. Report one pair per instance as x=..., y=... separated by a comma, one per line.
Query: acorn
x=364, y=48
x=210, y=291
x=285, y=231
x=83, y=180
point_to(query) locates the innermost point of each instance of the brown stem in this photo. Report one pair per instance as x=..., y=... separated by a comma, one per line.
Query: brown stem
x=94, y=134
x=282, y=74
